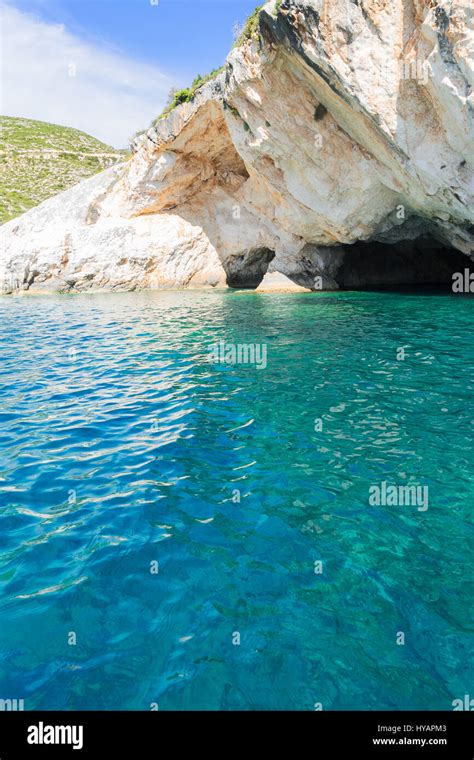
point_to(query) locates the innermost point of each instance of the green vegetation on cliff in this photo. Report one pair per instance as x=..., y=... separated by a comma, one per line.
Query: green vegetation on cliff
x=184, y=96
x=248, y=32
x=38, y=160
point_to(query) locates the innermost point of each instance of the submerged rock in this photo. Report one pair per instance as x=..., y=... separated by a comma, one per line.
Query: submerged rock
x=339, y=133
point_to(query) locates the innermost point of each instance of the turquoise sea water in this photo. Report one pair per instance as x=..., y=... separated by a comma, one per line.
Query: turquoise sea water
x=123, y=445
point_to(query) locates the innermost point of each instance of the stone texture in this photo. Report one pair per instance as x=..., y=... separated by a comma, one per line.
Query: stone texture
x=346, y=121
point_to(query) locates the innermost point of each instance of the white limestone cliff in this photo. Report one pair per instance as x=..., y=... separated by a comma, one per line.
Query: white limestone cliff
x=335, y=149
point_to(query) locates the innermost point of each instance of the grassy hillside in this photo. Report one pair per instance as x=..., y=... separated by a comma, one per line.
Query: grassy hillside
x=38, y=160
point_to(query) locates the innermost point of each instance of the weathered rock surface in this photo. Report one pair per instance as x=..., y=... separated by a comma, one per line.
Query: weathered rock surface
x=344, y=125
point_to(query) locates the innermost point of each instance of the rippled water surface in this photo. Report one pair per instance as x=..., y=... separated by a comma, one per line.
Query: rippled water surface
x=123, y=446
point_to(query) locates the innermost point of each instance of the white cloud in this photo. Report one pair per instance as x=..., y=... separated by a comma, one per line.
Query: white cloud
x=52, y=75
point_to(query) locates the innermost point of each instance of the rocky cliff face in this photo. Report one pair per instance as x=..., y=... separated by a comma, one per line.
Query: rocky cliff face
x=335, y=149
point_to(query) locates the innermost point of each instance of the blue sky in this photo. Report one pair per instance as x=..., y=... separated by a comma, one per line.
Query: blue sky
x=182, y=37
x=125, y=55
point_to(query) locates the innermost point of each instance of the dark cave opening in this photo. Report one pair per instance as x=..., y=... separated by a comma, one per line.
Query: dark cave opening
x=422, y=264
x=247, y=270
x=416, y=264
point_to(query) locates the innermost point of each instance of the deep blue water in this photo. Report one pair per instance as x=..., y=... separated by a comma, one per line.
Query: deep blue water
x=123, y=445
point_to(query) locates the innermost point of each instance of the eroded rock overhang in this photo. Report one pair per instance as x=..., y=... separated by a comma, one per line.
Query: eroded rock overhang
x=305, y=138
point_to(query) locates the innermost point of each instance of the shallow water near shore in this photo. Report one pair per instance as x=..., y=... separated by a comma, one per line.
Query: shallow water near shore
x=154, y=504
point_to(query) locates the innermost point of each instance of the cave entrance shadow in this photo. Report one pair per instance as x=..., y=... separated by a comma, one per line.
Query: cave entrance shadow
x=247, y=270
x=422, y=265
